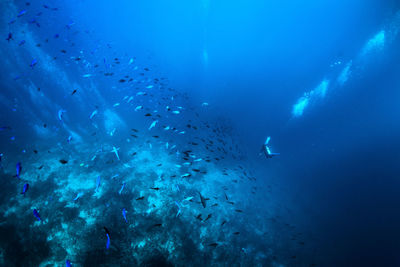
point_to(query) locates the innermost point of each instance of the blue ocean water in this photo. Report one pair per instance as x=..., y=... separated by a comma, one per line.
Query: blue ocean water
x=200, y=133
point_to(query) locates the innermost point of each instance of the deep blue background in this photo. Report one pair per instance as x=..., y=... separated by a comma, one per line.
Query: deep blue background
x=340, y=162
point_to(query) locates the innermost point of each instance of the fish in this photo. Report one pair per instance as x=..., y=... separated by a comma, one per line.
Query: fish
x=155, y=188
x=236, y=233
x=60, y=114
x=140, y=198
x=69, y=139
x=36, y=214
x=9, y=37
x=73, y=92
x=25, y=189
x=18, y=169
x=213, y=245
x=138, y=108
x=98, y=182
x=67, y=263
x=108, y=241
x=188, y=199
x=93, y=114
x=203, y=200
x=115, y=150
x=21, y=43
x=124, y=214
x=237, y=210
x=122, y=188
x=21, y=13
x=78, y=196
x=223, y=223
x=86, y=75
x=33, y=63
x=153, y=124
x=179, y=209
x=63, y=161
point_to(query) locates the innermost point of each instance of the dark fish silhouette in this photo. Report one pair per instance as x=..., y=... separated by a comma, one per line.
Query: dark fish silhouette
x=36, y=214
x=18, y=169
x=25, y=189
x=9, y=37
x=203, y=200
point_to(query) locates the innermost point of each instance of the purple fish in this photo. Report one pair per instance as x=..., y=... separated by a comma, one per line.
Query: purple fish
x=69, y=25
x=108, y=241
x=108, y=237
x=124, y=214
x=9, y=37
x=25, y=189
x=36, y=214
x=21, y=13
x=33, y=63
x=19, y=169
